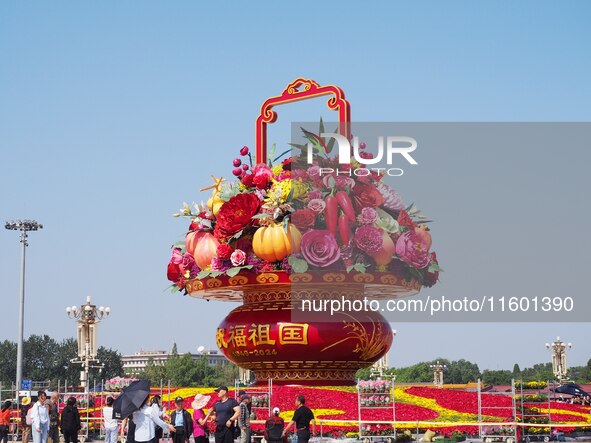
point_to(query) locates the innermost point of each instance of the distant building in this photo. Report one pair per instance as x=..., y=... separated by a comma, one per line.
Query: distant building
x=137, y=363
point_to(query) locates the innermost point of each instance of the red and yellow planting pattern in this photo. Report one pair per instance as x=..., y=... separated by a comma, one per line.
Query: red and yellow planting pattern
x=443, y=410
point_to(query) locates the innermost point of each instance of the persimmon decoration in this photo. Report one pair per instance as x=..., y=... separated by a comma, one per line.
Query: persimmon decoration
x=205, y=248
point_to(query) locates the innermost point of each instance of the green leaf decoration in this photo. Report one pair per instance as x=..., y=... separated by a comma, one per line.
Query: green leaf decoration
x=297, y=264
x=331, y=142
x=203, y=274
x=264, y=215
x=434, y=267
x=331, y=182
x=233, y=271
x=281, y=155
x=271, y=154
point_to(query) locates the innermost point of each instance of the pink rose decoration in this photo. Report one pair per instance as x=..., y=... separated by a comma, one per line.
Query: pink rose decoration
x=413, y=249
x=315, y=193
x=261, y=175
x=314, y=171
x=177, y=257
x=368, y=216
x=320, y=248
x=369, y=239
x=238, y=257
x=317, y=205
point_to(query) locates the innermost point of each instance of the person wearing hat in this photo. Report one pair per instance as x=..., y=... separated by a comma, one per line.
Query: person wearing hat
x=241, y=392
x=200, y=430
x=244, y=419
x=226, y=411
x=274, y=428
x=302, y=418
x=25, y=407
x=182, y=422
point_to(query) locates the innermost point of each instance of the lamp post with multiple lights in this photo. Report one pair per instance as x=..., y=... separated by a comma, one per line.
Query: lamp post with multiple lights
x=559, y=366
x=24, y=226
x=438, y=369
x=87, y=317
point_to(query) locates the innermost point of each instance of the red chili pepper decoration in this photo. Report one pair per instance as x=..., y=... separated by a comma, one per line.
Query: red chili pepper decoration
x=345, y=204
x=344, y=228
x=331, y=214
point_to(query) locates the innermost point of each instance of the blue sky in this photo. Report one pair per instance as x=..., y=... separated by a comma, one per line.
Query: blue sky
x=112, y=114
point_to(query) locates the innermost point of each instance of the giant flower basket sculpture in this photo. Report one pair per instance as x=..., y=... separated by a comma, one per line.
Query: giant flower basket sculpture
x=282, y=233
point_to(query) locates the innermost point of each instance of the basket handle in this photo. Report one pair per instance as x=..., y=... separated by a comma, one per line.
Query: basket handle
x=298, y=90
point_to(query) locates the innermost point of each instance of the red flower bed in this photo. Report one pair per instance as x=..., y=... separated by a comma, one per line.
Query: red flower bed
x=462, y=401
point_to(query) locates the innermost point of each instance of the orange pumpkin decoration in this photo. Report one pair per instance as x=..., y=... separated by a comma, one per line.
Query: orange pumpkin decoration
x=273, y=243
x=205, y=248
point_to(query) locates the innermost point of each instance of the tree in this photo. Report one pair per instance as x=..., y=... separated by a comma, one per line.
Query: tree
x=539, y=372
x=516, y=370
x=462, y=371
x=113, y=366
x=47, y=359
x=363, y=374
x=7, y=362
x=497, y=377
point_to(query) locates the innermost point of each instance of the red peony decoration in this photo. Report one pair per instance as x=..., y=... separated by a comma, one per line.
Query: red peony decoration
x=235, y=215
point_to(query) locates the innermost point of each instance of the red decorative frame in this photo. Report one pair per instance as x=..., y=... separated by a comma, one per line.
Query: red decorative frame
x=293, y=93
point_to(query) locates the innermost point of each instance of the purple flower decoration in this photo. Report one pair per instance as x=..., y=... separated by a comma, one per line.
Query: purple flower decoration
x=392, y=199
x=190, y=265
x=220, y=265
x=369, y=239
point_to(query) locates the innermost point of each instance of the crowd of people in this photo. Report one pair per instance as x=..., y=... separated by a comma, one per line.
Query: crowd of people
x=228, y=420
x=43, y=420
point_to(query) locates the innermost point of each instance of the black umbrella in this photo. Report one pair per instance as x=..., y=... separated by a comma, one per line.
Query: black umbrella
x=131, y=398
x=571, y=389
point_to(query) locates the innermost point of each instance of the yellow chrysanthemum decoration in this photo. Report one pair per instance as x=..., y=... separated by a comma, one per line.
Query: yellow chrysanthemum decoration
x=277, y=170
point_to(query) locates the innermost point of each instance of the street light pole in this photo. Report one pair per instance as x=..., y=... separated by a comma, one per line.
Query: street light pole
x=438, y=369
x=559, y=365
x=24, y=226
x=87, y=317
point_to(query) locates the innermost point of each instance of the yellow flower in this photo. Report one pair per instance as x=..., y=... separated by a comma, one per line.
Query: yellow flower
x=277, y=170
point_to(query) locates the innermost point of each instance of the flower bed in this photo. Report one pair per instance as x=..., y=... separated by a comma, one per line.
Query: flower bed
x=337, y=408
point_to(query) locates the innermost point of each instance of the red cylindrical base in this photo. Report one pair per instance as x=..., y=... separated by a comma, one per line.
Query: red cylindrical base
x=271, y=336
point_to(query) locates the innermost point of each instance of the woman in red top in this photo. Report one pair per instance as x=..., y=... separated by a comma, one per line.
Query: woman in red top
x=5, y=421
x=200, y=431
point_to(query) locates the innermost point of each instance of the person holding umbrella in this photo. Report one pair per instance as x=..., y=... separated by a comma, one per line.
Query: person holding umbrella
x=146, y=419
